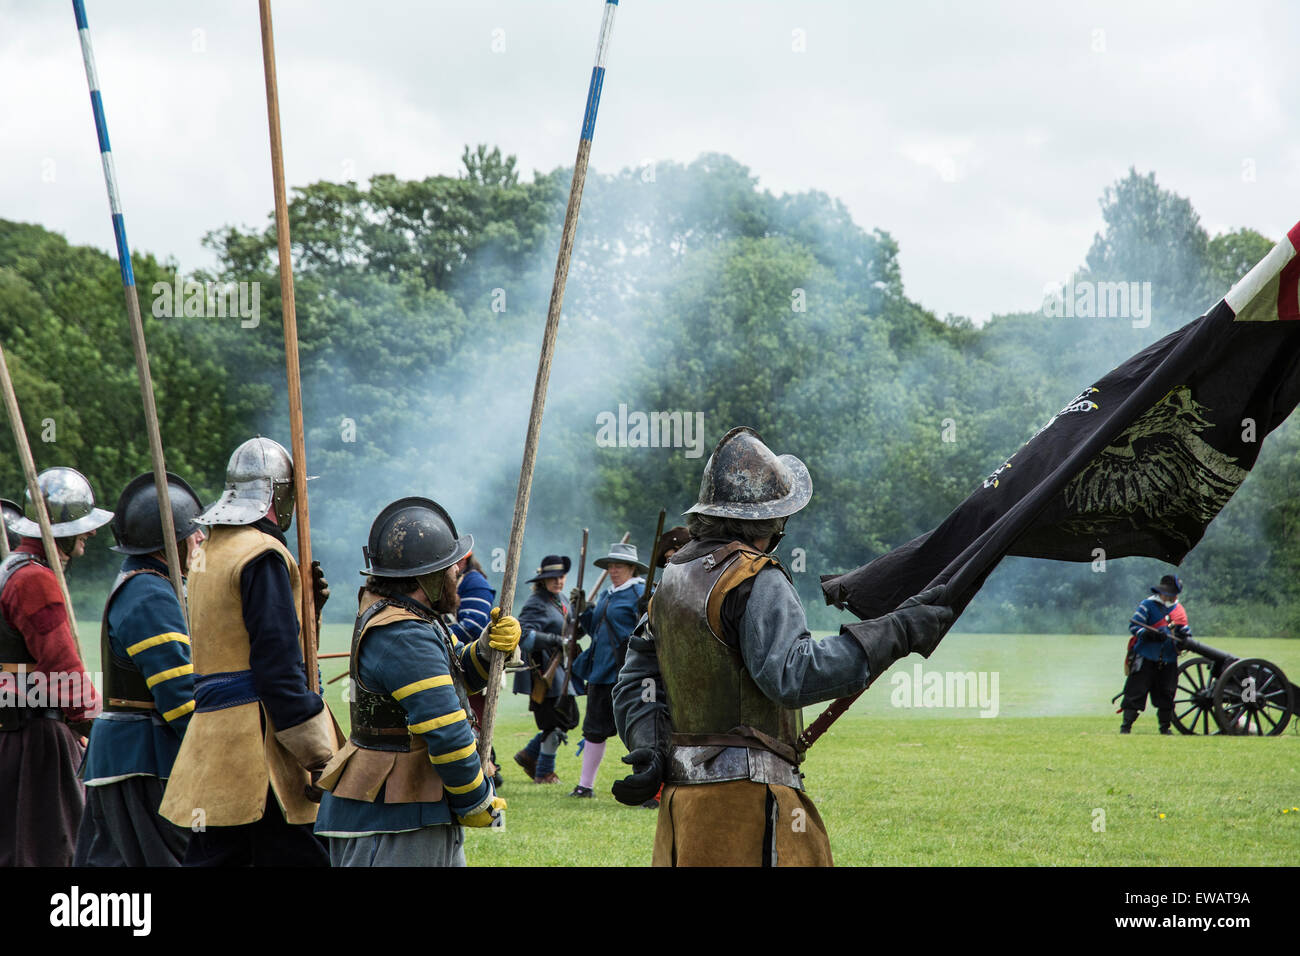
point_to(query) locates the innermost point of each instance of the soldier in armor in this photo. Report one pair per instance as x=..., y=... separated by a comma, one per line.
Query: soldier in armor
x=46, y=697
x=243, y=782
x=148, y=687
x=709, y=700
x=409, y=777
x=544, y=618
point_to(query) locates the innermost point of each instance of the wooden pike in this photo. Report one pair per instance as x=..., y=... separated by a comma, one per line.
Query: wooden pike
x=299, y=449
x=52, y=554
x=493, y=689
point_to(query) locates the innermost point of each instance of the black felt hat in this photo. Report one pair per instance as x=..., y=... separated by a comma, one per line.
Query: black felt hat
x=553, y=566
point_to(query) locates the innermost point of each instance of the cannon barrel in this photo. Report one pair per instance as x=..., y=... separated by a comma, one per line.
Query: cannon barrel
x=1205, y=650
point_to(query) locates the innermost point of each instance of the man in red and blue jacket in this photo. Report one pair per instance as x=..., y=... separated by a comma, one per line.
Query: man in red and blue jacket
x=1153, y=668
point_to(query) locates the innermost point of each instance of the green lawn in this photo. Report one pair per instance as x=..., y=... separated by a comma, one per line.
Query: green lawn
x=935, y=785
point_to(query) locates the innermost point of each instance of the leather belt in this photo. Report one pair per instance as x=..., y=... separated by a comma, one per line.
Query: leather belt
x=132, y=704
x=713, y=764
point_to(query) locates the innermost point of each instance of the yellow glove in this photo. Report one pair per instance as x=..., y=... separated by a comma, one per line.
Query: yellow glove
x=485, y=818
x=503, y=633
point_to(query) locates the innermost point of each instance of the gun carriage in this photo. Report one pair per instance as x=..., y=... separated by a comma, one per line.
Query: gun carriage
x=1220, y=693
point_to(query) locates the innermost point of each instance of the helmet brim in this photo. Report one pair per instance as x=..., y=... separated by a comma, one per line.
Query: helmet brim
x=464, y=545
x=97, y=518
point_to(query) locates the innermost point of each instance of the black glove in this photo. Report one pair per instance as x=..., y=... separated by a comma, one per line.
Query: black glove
x=577, y=601
x=915, y=628
x=651, y=738
x=320, y=588
x=648, y=765
x=547, y=641
x=312, y=790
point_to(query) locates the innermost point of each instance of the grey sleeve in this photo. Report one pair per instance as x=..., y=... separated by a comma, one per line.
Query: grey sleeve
x=786, y=662
x=639, y=691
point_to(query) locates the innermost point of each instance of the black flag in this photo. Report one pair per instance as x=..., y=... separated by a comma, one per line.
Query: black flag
x=1137, y=464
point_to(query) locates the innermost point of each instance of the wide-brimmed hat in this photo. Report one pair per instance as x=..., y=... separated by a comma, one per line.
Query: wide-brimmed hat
x=673, y=539
x=621, y=553
x=553, y=566
x=1169, y=584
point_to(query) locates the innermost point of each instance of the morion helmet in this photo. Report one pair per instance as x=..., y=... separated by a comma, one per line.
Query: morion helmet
x=260, y=474
x=137, y=525
x=745, y=479
x=70, y=502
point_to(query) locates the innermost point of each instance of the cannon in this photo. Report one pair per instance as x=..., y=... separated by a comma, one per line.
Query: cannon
x=1220, y=693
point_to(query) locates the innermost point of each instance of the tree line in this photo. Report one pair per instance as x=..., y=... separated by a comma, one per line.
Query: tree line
x=693, y=293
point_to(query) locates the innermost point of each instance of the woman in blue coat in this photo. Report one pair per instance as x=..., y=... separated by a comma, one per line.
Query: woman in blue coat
x=609, y=622
x=543, y=621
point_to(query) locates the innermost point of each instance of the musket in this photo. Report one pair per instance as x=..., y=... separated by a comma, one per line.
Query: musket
x=547, y=677
x=571, y=625
x=654, y=558
x=600, y=581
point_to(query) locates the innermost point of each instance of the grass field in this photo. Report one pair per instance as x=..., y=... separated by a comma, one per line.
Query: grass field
x=943, y=786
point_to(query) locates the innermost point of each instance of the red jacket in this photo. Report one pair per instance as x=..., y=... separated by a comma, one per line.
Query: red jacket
x=33, y=605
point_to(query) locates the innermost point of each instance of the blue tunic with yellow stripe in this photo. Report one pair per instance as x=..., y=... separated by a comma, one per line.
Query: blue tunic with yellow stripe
x=146, y=627
x=410, y=661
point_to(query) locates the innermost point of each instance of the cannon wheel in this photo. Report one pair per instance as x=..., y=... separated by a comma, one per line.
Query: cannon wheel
x=1253, y=697
x=1194, y=698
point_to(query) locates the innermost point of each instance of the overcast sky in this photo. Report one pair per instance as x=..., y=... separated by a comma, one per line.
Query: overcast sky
x=979, y=134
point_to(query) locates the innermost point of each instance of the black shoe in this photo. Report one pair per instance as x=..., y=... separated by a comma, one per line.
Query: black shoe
x=582, y=792
x=497, y=781
x=1125, y=729
x=1166, y=731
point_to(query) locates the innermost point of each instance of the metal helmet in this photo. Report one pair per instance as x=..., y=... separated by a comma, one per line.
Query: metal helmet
x=745, y=479
x=413, y=537
x=70, y=501
x=260, y=474
x=12, y=512
x=137, y=525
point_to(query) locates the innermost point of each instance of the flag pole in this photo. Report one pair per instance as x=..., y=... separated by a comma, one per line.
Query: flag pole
x=52, y=554
x=493, y=689
x=290, y=315
x=132, y=311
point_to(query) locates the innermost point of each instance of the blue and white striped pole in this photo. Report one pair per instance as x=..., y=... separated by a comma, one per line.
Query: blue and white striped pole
x=493, y=688
x=132, y=306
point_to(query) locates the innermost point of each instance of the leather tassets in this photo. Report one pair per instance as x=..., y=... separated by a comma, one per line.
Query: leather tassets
x=709, y=689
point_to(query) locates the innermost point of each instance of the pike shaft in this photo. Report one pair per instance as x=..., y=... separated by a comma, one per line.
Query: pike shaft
x=298, y=440
x=493, y=689
x=134, y=319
